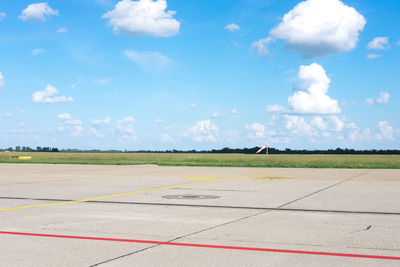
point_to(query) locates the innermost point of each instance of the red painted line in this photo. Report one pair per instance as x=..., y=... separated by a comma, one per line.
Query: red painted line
x=209, y=246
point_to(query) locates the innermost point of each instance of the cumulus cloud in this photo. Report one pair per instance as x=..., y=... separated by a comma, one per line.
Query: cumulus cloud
x=101, y=122
x=311, y=97
x=275, y=108
x=95, y=133
x=379, y=43
x=2, y=83
x=337, y=123
x=386, y=132
x=143, y=17
x=319, y=123
x=2, y=15
x=46, y=96
x=125, y=125
x=192, y=106
x=203, y=131
x=37, y=12
x=158, y=120
x=373, y=56
x=149, y=59
x=317, y=126
x=297, y=125
x=260, y=47
x=77, y=130
x=319, y=27
x=234, y=111
x=358, y=135
x=258, y=131
x=232, y=27
x=167, y=138
x=66, y=118
x=383, y=99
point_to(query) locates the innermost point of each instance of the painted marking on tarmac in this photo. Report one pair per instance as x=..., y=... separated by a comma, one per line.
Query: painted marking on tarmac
x=130, y=193
x=319, y=253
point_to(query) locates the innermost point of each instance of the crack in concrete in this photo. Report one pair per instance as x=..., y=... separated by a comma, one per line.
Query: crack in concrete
x=180, y=237
x=322, y=189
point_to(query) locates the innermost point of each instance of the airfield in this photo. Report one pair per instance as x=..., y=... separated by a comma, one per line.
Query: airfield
x=88, y=215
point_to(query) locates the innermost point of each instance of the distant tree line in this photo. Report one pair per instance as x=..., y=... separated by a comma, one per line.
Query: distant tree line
x=272, y=150
x=28, y=149
x=225, y=150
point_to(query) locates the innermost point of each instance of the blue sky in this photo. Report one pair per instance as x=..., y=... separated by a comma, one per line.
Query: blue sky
x=172, y=74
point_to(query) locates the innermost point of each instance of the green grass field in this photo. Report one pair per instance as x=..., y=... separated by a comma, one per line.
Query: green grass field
x=221, y=160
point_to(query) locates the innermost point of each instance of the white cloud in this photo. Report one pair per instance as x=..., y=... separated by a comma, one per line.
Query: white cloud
x=125, y=125
x=275, y=108
x=45, y=96
x=311, y=97
x=357, y=135
x=319, y=123
x=337, y=123
x=101, y=122
x=2, y=83
x=77, y=130
x=320, y=27
x=386, y=132
x=143, y=17
x=37, y=12
x=62, y=30
x=192, y=106
x=158, y=120
x=373, y=56
x=260, y=47
x=258, y=131
x=370, y=101
x=232, y=27
x=66, y=118
x=351, y=125
x=298, y=126
x=167, y=138
x=234, y=111
x=2, y=15
x=74, y=85
x=8, y=114
x=95, y=133
x=148, y=59
x=37, y=51
x=379, y=43
x=203, y=131
x=383, y=99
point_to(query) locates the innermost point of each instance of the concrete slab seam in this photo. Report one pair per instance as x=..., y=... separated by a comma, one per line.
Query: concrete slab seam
x=130, y=193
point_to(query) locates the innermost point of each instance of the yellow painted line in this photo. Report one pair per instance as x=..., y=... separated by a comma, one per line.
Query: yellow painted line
x=199, y=177
x=130, y=193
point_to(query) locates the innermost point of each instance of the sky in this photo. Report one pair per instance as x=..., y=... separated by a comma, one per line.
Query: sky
x=172, y=74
